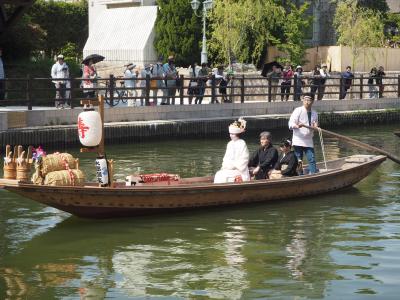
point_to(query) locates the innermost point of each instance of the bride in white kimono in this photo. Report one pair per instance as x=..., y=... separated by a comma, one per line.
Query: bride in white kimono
x=236, y=159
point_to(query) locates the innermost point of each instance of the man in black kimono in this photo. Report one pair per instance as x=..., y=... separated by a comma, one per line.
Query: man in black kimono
x=265, y=158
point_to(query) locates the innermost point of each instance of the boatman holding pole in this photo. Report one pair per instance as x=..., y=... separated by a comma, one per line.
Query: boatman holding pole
x=303, y=137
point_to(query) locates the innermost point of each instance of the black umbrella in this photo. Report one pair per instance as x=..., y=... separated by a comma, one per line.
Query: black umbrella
x=93, y=57
x=268, y=67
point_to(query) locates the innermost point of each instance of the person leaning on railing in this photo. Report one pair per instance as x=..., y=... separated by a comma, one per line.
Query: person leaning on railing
x=315, y=81
x=299, y=83
x=324, y=76
x=143, y=75
x=222, y=81
x=157, y=72
x=88, y=83
x=130, y=82
x=193, y=89
x=345, y=82
x=201, y=83
x=59, y=73
x=373, y=92
x=379, y=80
x=275, y=75
x=287, y=75
x=171, y=76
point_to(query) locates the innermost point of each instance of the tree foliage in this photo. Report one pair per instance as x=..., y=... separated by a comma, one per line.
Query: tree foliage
x=47, y=27
x=245, y=28
x=64, y=23
x=392, y=24
x=178, y=31
x=295, y=28
x=358, y=27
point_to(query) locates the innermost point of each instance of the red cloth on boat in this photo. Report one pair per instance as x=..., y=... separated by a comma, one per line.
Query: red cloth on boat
x=158, y=177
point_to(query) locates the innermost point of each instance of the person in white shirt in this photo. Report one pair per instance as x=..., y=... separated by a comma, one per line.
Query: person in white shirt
x=60, y=70
x=235, y=163
x=157, y=72
x=324, y=76
x=303, y=137
x=130, y=82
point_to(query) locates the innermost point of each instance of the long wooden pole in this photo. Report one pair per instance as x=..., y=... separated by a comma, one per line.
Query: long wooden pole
x=357, y=143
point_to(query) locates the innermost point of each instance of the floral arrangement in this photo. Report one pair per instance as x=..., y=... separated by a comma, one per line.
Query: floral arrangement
x=38, y=153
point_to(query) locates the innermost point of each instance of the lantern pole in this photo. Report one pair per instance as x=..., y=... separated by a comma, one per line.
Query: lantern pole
x=101, y=150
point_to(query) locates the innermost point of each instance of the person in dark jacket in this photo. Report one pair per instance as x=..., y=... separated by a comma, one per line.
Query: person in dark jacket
x=379, y=80
x=346, y=81
x=264, y=159
x=287, y=162
x=315, y=81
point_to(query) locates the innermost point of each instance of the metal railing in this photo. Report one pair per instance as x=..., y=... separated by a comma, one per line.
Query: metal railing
x=32, y=92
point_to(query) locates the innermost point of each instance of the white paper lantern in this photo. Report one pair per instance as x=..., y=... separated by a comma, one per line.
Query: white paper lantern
x=90, y=128
x=102, y=171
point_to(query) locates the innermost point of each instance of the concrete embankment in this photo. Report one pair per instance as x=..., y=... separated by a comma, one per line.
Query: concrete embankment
x=150, y=123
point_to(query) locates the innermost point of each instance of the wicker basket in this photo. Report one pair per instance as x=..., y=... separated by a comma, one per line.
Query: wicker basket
x=10, y=170
x=23, y=173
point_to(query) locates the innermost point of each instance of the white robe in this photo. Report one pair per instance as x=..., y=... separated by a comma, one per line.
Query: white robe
x=235, y=163
x=302, y=136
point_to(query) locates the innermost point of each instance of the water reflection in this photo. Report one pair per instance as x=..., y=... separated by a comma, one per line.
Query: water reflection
x=340, y=245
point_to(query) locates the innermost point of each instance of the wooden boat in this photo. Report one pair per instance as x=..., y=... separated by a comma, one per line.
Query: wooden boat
x=92, y=201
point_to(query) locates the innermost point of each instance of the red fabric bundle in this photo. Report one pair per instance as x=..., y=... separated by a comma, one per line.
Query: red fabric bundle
x=159, y=177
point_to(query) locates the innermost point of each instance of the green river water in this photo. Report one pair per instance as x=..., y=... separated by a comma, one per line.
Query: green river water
x=343, y=245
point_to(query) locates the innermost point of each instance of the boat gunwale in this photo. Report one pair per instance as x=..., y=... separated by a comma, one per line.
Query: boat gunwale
x=196, y=186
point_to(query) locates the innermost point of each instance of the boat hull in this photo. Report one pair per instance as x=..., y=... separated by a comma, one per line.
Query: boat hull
x=96, y=202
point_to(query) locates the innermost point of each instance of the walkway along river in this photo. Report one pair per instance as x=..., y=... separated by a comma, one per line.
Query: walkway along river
x=336, y=246
x=131, y=125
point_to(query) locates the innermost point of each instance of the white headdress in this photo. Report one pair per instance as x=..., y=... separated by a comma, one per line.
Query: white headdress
x=238, y=126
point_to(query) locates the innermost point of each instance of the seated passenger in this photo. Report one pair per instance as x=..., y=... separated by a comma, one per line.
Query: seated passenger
x=287, y=162
x=234, y=165
x=265, y=158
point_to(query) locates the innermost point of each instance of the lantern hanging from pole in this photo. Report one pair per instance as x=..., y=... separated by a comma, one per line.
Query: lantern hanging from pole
x=90, y=129
x=102, y=171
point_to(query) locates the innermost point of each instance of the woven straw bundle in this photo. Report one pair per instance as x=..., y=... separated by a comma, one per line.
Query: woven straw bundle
x=37, y=179
x=63, y=178
x=56, y=162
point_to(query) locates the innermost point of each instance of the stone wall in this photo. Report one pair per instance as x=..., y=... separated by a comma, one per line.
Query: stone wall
x=36, y=118
x=60, y=137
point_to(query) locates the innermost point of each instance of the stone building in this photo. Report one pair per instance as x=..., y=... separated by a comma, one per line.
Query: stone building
x=122, y=31
x=323, y=11
x=394, y=5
